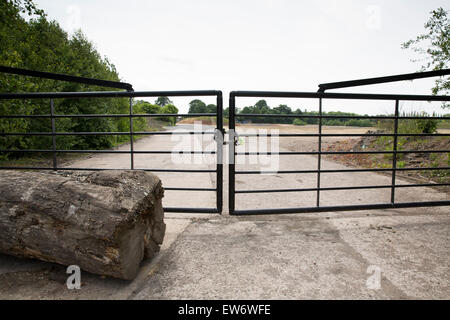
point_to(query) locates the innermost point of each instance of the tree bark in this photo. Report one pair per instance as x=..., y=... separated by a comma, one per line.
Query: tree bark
x=106, y=222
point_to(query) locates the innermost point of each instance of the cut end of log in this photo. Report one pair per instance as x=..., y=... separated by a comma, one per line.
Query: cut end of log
x=106, y=222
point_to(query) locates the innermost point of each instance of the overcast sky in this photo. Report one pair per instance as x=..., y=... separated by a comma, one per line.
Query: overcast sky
x=279, y=45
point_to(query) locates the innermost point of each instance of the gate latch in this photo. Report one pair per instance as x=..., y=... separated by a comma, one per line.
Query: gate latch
x=235, y=138
x=219, y=135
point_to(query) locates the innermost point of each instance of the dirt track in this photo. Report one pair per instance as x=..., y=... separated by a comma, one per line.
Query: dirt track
x=247, y=182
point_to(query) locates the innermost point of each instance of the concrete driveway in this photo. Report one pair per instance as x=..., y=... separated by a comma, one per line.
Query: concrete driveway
x=334, y=255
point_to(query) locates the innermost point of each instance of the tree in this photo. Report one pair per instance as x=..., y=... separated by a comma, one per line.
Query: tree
x=261, y=105
x=211, y=108
x=170, y=108
x=39, y=44
x=197, y=106
x=162, y=101
x=435, y=45
x=147, y=107
x=283, y=109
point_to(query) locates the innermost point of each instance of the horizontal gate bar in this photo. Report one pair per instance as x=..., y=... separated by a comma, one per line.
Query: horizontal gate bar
x=191, y=210
x=334, y=95
x=189, y=189
x=339, y=170
x=104, y=169
x=337, y=152
x=344, y=188
x=386, y=79
x=106, y=133
x=111, y=115
x=112, y=151
x=274, y=94
x=342, y=208
x=255, y=115
x=239, y=134
x=108, y=94
x=68, y=78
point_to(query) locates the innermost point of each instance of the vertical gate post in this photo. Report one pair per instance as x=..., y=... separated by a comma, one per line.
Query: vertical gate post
x=131, y=135
x=319, y=154
x=52, y=113
x=219, y=142
x=232, y=155
x=394, y=154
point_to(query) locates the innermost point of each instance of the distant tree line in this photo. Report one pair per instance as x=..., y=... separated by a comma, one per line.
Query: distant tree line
x=261, y=107
x=161, y=105
x=198, y=106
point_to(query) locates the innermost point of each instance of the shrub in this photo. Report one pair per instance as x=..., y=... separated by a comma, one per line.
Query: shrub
x=169, y=108
x=299, y=122
x=359, y=123
x=427, y=126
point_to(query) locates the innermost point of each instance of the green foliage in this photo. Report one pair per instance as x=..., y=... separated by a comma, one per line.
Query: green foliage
x=414, y=126
x=197, y=106
x=40, y=44
x=444, y=123
x=401, y=164
x=211, y=108
x=359, y=123
x=162, y=101
x=299, y=122
x=147, y=107
x=169, y=108
x=427, y=126
x=434, y=44
x=261, y=107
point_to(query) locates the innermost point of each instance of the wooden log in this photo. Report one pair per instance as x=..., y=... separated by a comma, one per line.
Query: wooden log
x=106, y=222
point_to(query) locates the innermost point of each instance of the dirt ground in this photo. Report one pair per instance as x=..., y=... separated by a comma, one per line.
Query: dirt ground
x=304, y=143
x=298, y=144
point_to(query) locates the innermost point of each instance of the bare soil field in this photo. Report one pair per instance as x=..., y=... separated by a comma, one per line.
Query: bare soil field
x=304, y=143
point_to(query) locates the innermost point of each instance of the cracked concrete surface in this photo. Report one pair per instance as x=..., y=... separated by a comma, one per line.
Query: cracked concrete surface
x=307, y=258
x=310, y=256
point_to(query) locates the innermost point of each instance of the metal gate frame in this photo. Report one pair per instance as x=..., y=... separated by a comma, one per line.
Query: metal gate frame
x=217, y=133
x=322, y=95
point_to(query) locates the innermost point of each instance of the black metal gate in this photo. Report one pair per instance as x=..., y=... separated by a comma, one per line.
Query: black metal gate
x=218, y=133
x=52, y=117
x=321, y=96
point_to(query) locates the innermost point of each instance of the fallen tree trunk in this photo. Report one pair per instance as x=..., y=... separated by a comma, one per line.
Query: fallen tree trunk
x=106, y=222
